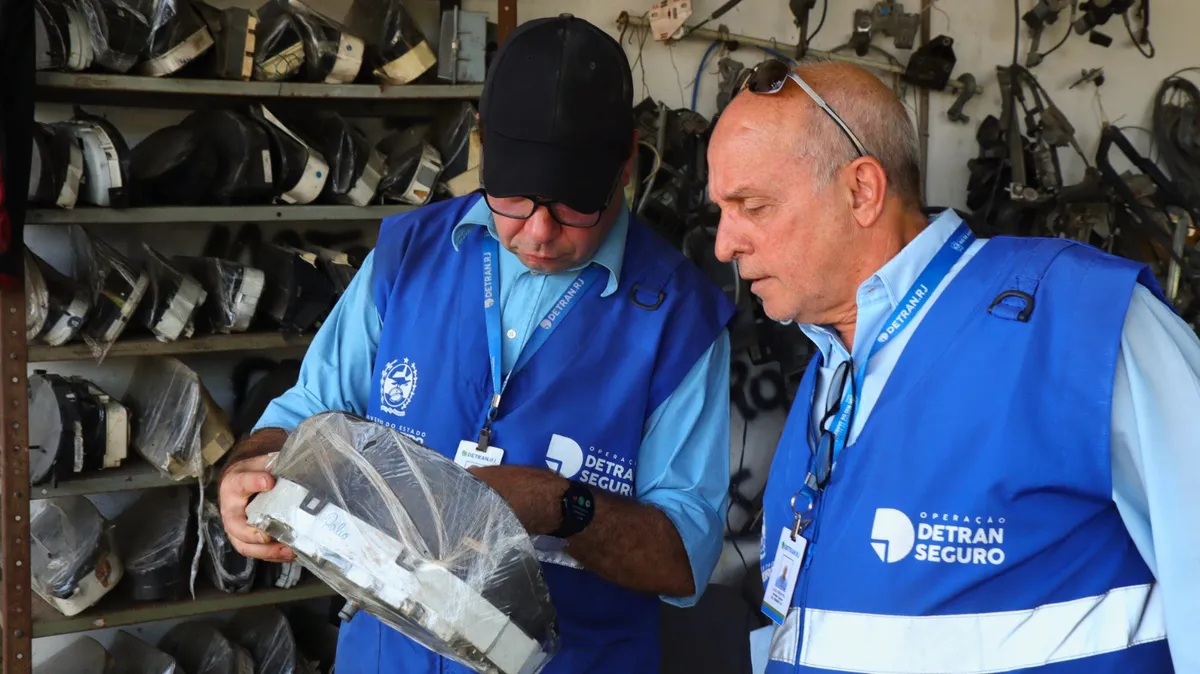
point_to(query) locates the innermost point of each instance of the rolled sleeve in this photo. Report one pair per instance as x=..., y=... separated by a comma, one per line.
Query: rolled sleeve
x=683, y=463
x=337, y=369
x=1156, y=460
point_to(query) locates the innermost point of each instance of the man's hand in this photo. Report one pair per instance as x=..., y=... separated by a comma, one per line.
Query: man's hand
x=241, y=481
x=533, y=493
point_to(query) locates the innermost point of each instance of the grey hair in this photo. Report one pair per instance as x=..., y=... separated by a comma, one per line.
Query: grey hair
x=882, y=126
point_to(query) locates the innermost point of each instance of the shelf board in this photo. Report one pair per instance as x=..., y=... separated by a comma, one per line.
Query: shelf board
x=117, y=609
x=132, y=84
x=209, y=214
x=247, y=341
x=133, y=474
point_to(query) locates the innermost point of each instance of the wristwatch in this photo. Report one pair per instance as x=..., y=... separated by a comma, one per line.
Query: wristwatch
x=578, y=507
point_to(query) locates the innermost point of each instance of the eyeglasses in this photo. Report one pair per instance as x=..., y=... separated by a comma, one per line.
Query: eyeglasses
x=823, y=452
x=769, y=77
x=523, y=207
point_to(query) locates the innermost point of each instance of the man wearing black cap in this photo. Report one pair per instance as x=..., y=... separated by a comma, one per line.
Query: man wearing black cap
x=541, y=337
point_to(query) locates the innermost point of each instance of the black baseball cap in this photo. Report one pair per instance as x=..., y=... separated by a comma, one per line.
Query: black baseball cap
x=557, y=114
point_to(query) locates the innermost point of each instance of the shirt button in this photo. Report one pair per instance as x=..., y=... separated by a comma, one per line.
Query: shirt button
x=512, y=334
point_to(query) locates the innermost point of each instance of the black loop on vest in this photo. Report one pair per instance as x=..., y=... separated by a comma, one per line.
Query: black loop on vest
x=633, y=294
x=1024, y=313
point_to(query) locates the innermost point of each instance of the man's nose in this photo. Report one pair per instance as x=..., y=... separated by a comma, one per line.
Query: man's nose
x=726, y=245
x=541, y=227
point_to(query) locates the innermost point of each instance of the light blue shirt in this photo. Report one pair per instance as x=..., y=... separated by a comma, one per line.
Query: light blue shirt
x=683, y=461
x=1155, y=431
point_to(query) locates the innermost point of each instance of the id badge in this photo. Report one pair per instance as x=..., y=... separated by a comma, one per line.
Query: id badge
x=784, y=572
x=469, y=456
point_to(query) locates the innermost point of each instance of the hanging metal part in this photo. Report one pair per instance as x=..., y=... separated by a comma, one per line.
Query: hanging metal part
x=728, y=71
x=1093, y=75
x=887, y=18
x=1183, y=224
x=955, y=113
x=800, y=10
x=1045, y=13
x=931, y=65
x=625, y=19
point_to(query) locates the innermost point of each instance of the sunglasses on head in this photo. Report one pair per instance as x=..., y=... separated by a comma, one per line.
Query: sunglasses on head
x=771, y=75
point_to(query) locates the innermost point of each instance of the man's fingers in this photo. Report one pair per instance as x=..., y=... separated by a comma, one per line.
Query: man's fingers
x=273, y=552
x=244, y=484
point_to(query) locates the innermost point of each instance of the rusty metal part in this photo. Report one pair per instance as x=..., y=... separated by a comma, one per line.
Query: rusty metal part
x=14, y=484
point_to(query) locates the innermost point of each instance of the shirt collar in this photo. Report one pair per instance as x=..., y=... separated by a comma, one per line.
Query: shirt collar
x=879, y=295
x=610, y=255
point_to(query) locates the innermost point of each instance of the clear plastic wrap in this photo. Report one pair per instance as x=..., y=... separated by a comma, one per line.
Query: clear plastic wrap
x=182, y=38
x=355, y=168
x=37, y=299
x=72, y=559
x=279, y=46
x=244, y=172
x=299, y=293
x=454, y=141
x=156, y=538
x=85, y=655
x=74, y=427
x=121, y=30
x=57, y=166
x=228, y=570
x=331, y=55
x=173, y=166
x=412, y=175
x=106, y=160
x=397, y=51
x=299, y=170
x=180, y=430
x=265, y=632
x=66, y=303
x=233, y=292
x=131, y=655
x=200, y=648
x=117, y=287
x=412, y=538
x=173, y=297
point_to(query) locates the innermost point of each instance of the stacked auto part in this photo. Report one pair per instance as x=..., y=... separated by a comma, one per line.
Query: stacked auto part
x=355, y=168
x=267, y=635
x=75, y=427
x=298, y=292
x=365, y=508
x=130, y=655
x=57, y=304
x=106, y=160
x=156, y=535
x=117, y=286
x=172, y=298
x=73, y=562
x=201, y=648
x=58, y=167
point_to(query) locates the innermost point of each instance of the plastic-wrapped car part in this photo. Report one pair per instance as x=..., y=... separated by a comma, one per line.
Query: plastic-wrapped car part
x=73, y=562
x=64, y=302
x=200, y=648
x=74, y=427
x=131, y=655
x=233, y=292
x=233, y=30
x=270, y=378
x=299, y=170
x=355, y=167
x=182, y=38
x=180, y=429
x=412, y=175
x=298, y=293
x=174, y=165
x=399, y=51
x=413, y=539
x=337, y=266
x=246, y=172
x=279, y=46
x=172, y=299
x=331, y=55
x=67, y=40
x=121, y=30
x=117, y=288
x=454, y=141
x=105, y=158
x=37, y=299
x=57, y=166
x=157, y=538
x=265, y=632
x=227, y=568
x=85, y=655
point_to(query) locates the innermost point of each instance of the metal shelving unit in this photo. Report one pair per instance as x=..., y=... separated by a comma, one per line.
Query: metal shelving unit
x=26, y=616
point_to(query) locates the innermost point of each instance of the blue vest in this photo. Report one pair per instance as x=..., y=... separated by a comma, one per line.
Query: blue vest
x=581, y=403
x=979, y=490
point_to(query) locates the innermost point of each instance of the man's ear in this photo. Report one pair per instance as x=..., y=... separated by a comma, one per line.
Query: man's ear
x=868, y=188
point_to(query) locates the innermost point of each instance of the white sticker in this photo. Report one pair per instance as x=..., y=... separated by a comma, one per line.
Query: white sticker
x=784, y=572
x=180, y=55
x=468, y=456
x=78, y=447
x=267, y=175
x=349, y=60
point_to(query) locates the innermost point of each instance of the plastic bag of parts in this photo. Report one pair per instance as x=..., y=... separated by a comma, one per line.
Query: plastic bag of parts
x=117, y=288
x=180, y=430
x=85, y=655
x=299, y=293
x=233, y=31
x=299, y=170
x=105, y=159
x=454, y=141
x=232, y=292
x=157, y=536
x=228, y=570
x=355, y=168
x=265, y=632
x=294, y=44
x=256, y=382
x=56, y=167
x=397, y=50
x=183, y=37
x=61, y=37
x=172, y=299
x=412, y=538
x=74, y=427
x=200, y=648
x=57, y=306
x=412, y=175
x=131, y=655
x=122, y=30
x=73, y=562
x=338, y=267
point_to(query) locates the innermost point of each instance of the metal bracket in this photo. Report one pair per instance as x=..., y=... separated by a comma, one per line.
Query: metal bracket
x=955, y=113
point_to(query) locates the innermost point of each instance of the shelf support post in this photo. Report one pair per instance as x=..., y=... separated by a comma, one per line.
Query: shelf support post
x=14, y=483
x=506, y=13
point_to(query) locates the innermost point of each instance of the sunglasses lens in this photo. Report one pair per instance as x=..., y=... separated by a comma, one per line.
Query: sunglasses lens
x=824, y=459
x=837, y=388
x=769, y=77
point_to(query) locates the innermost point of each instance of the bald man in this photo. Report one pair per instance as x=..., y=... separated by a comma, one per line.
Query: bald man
x=993, y=462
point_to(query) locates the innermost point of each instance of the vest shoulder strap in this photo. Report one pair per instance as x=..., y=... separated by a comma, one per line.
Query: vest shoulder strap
x=649, y=291
x=1016, y=302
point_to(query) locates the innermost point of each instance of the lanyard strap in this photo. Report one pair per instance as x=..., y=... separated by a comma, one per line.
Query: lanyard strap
x=548, y=324
x=932, y=276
